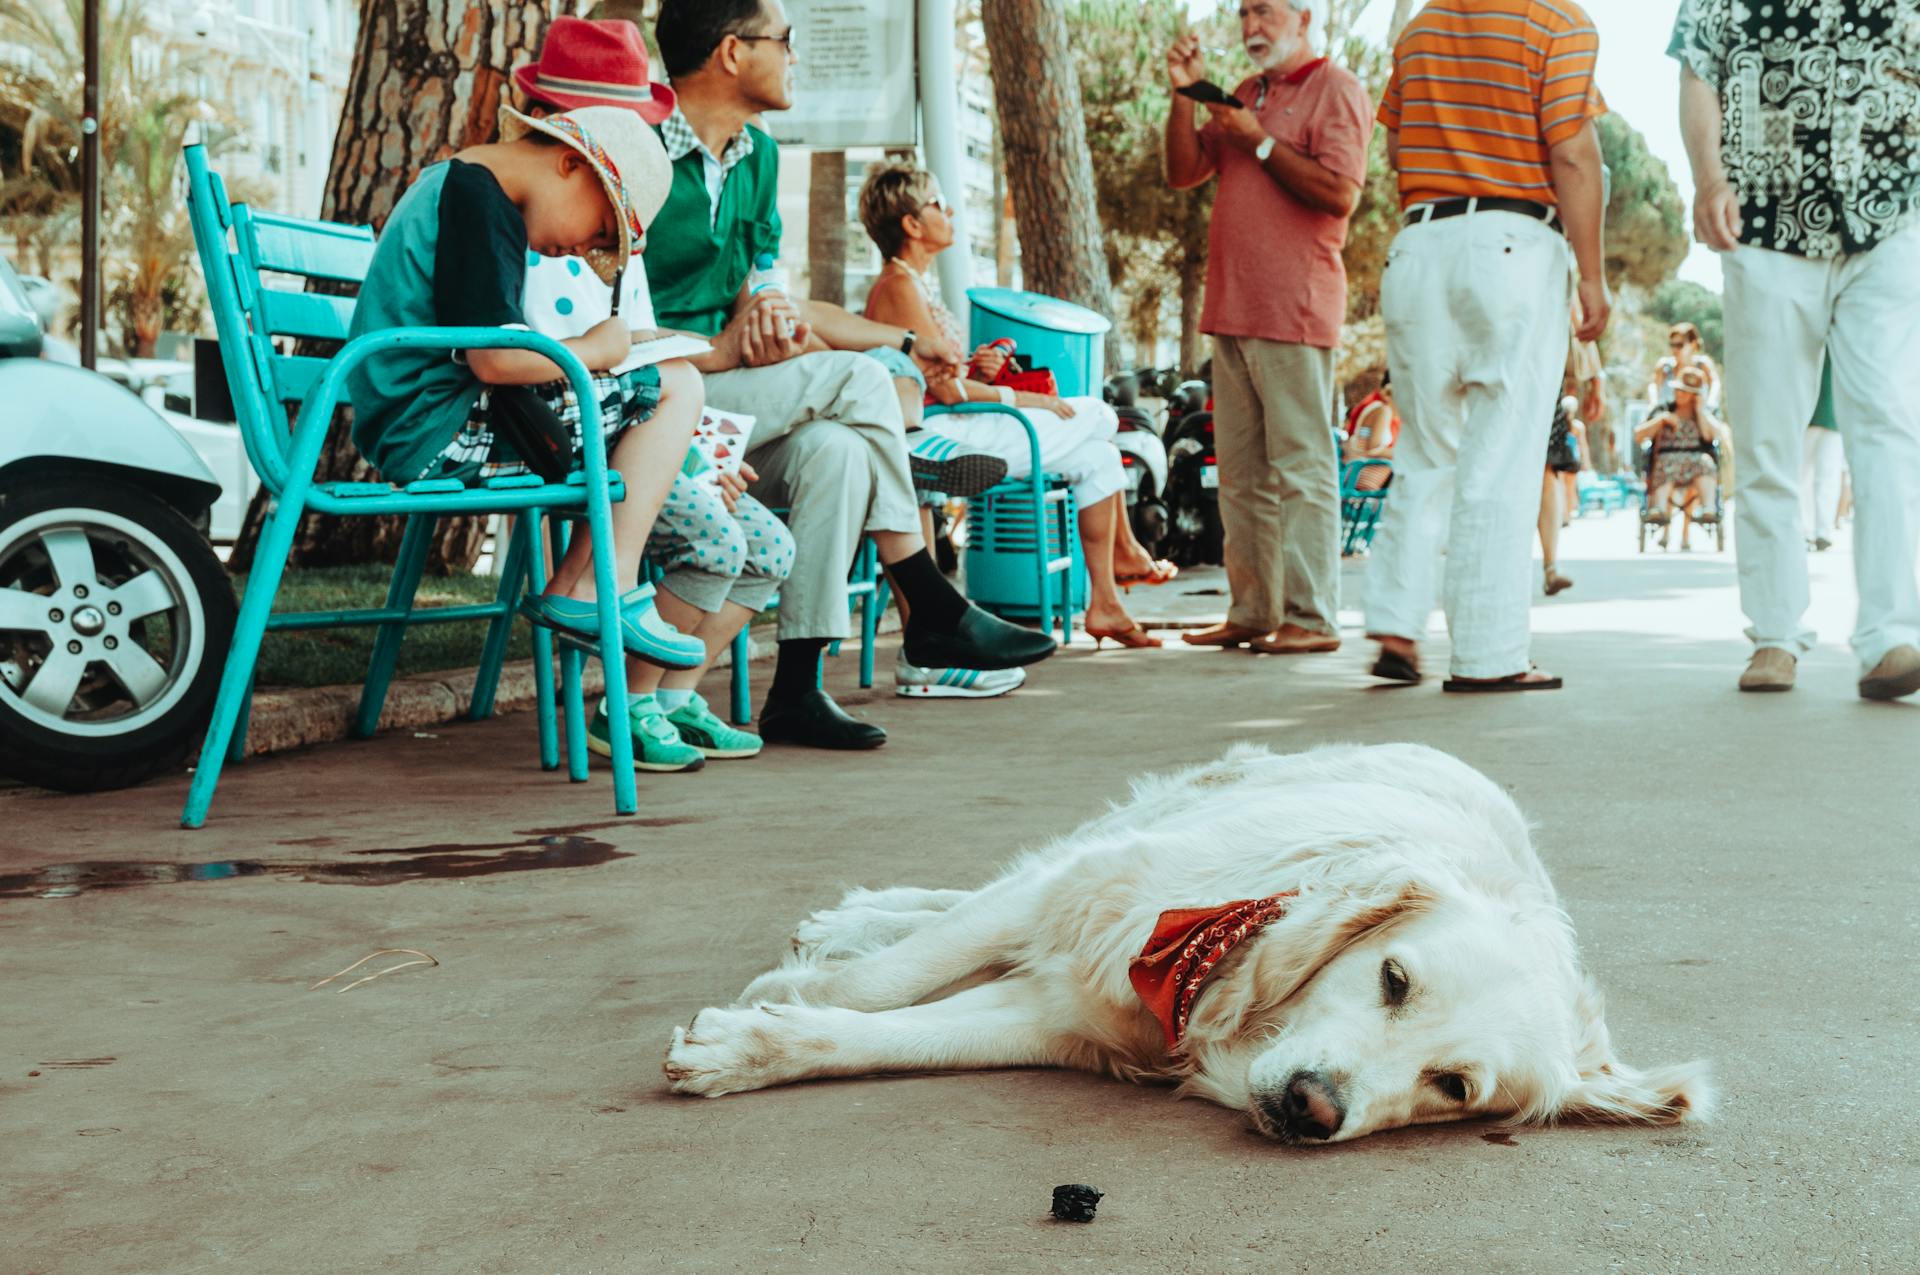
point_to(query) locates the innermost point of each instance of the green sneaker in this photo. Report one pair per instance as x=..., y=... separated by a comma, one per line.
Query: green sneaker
x=714, y=738
x=656, y=744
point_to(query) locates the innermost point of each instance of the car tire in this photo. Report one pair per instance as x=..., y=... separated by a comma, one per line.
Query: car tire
x=138, y=655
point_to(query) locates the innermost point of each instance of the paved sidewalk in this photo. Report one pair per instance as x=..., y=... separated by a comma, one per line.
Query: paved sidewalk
x=173, y=1098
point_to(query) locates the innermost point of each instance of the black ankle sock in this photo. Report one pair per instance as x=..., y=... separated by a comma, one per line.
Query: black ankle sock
x=932, y=599
x=797, y=671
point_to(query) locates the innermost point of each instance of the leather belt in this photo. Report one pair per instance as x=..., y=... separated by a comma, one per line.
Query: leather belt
x=1439, y=209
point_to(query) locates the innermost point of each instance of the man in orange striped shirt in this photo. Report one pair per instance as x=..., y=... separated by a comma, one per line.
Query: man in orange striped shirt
x=1489, y=118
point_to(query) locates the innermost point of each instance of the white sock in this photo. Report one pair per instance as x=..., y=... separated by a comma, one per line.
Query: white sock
x=673, y=700
x=633, y=699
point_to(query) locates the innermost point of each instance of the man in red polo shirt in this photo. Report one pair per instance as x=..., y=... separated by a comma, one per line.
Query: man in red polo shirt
x=1291, y=160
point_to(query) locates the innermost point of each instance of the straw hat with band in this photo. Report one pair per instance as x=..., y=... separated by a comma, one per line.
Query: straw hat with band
x=595, y=63
x=627, y=157
x=1691, y=379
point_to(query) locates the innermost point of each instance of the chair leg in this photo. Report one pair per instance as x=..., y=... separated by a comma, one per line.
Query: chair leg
x=237, y=747
x=570, y=661
x=1043, y=525
x=407, y=569
x=236, y=681
x=741, y=679
x=493, y=655
x=536, y=568
x=869, y=610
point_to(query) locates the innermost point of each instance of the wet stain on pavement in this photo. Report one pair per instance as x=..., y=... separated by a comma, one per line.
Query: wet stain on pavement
x=417, y=863
x=1499, y=1139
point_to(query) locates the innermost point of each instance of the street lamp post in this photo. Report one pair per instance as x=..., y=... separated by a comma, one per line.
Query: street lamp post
x=90, y=190
x=940, y=129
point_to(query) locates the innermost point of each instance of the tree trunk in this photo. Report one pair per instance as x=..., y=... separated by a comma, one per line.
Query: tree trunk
x=429, y=77
x=827, y=228
x=1036, y=90
x=1193, y=276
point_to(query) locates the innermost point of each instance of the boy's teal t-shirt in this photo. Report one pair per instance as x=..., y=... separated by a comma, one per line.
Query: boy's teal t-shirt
x=453, y=254
x=696, y=261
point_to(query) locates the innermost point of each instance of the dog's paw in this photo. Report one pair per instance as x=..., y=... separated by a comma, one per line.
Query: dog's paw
x=727, y=1051
x=790, y=984
x=812, y=934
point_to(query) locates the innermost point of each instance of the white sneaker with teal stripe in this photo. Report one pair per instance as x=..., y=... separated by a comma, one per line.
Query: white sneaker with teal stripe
x=941, y=464
x=656, y=743
x=954, y=683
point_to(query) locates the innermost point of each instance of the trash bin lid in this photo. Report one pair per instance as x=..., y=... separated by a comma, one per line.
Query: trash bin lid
x=1039, y=311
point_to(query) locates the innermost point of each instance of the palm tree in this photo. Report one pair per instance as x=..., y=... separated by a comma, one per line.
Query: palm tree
x=144, y=119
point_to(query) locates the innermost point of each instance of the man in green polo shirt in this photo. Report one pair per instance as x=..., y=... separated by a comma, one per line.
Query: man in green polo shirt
x=828, y=441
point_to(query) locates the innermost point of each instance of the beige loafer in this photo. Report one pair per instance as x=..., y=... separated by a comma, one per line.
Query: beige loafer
x=1895, y=676
x=1770, y=669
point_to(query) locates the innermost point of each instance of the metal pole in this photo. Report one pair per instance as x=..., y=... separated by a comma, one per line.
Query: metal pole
x=90, y=192
x=946, y=159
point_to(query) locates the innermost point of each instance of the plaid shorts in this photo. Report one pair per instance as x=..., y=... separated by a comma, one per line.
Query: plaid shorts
x=475, y=452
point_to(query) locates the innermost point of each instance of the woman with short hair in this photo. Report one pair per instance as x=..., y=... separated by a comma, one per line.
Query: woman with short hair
x=908, y=219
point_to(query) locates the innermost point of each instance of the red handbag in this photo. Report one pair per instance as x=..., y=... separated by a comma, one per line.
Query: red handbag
x=1032, y=380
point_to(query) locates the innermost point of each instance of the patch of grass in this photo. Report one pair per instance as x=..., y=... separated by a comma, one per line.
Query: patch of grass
x=326, y=657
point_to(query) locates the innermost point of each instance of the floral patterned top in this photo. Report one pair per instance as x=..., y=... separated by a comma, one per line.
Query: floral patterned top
x=1820, y=104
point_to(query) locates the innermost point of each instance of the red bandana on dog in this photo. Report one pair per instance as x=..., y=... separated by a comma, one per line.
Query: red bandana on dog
x=1187, y=945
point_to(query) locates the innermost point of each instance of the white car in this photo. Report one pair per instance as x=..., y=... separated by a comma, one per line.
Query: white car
x=167, y=386
x=115, y=613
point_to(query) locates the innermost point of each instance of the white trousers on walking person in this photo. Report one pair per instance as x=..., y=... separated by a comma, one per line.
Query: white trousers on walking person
x=1783, y=312
x=1476, y=311
x=1824, y=457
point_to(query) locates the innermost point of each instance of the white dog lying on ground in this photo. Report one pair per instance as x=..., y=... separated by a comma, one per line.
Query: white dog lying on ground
x=1297, y=937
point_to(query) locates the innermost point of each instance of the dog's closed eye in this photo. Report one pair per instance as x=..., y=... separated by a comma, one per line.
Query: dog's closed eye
x=1393, y=984
x=1450, y=1083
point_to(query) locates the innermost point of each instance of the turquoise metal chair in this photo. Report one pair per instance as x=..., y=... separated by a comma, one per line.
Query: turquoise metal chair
x=1360, y=510
x=1023, y=550
x=243, y=254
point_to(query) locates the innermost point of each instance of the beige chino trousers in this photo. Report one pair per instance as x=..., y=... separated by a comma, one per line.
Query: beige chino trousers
x=830, y=448
x=1279, y=482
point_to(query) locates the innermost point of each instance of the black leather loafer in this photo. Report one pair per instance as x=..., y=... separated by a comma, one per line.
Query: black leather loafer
x=813, y=720
x=981, y=640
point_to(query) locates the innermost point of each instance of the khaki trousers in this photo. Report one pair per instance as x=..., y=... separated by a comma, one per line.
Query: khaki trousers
x=1279, y=482
x=830, y=448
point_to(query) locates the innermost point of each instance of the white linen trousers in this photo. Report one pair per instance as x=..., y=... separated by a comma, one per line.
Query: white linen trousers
x=1783, y=312
x=1476, y=312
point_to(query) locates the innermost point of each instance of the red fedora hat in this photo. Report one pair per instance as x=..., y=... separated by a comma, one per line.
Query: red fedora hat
x=603, y=63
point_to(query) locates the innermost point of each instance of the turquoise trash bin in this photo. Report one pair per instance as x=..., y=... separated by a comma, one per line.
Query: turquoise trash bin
x=1068, y=340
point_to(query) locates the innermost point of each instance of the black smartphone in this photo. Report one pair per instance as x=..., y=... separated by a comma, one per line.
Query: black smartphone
x=1208, y=91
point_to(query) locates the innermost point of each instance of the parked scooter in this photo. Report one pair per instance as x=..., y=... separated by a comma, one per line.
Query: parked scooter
x=115, y=613
x=1193, y=480
x=1143, y=462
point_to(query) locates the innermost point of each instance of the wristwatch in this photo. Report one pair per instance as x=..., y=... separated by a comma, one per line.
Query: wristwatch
x=906, y=343
x=1264, y=149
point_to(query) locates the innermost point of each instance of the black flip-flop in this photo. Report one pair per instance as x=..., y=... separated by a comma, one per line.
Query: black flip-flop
x=1395, y=667
x=1499, y=685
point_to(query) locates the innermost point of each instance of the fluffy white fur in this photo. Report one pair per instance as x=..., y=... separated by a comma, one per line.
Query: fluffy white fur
x=1400, y=853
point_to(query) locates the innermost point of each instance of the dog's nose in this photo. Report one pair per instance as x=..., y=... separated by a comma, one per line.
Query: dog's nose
x=1309, y=1107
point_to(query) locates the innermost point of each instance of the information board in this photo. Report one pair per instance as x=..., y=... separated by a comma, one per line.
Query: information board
x=855, y=80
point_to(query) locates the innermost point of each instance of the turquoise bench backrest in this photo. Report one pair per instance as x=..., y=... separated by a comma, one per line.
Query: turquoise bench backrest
x=256, y=265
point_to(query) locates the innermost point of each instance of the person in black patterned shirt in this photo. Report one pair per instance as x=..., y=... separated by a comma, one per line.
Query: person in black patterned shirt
x=1802, y=123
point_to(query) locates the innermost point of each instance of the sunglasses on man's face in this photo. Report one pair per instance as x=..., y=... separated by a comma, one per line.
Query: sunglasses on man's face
x=785, y=39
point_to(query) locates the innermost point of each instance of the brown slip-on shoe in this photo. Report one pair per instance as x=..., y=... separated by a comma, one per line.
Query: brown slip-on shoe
x=1770, y=669
x=1896, y=675
x=1222, y=635
x=1295, y=641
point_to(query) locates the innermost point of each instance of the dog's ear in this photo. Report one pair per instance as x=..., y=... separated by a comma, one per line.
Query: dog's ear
x=1608, y=1090
x=1329, y=915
